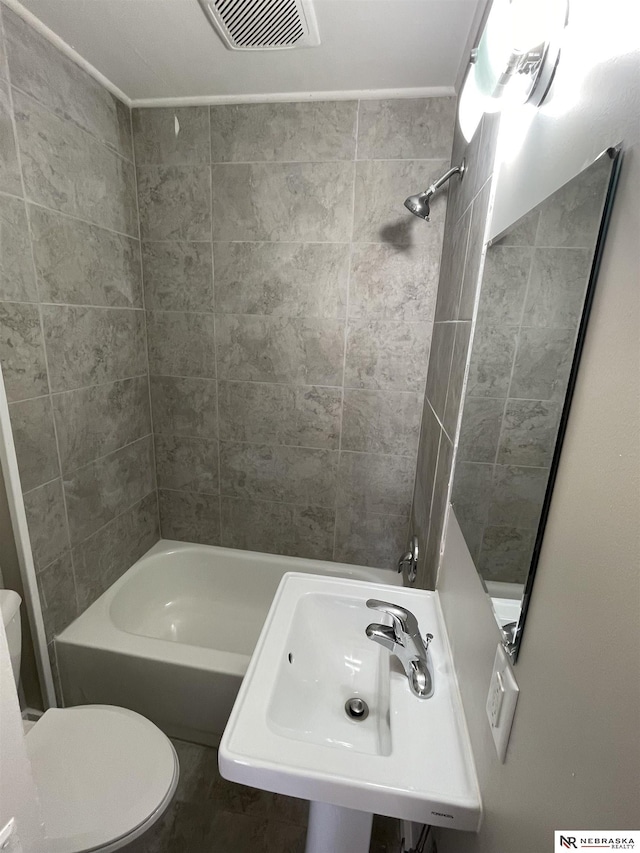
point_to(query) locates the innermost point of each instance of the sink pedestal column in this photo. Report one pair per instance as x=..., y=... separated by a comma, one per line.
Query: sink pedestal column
x=338, y=829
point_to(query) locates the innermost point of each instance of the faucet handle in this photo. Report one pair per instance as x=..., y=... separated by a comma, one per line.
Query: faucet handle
x=402, y=619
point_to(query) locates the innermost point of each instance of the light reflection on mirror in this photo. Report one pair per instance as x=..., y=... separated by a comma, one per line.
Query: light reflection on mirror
x=531, y=315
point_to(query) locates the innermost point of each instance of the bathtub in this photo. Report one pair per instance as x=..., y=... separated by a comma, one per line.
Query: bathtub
x=172, y=638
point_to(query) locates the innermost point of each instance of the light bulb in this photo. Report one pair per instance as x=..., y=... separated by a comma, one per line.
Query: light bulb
x=532, y=22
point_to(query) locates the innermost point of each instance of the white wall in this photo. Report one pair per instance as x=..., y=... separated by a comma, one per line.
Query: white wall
x=154, y=50
x=574, y=753
x=17, y=789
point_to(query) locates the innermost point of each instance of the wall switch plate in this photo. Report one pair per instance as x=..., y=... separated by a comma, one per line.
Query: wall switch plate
x=501, y=701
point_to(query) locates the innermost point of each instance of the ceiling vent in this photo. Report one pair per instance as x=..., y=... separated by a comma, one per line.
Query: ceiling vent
x=263, y=24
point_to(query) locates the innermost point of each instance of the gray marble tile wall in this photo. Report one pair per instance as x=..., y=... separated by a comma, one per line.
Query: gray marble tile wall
x=534, y=283
x=290, y=303
x=72, y=325
x=466, y=218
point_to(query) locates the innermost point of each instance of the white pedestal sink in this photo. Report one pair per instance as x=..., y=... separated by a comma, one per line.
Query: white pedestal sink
x=289, y=731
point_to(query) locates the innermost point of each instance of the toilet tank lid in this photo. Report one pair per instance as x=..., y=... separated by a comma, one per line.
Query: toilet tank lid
x=9, y=605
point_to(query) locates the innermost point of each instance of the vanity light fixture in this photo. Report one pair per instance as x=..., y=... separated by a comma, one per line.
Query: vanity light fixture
x=515, y=60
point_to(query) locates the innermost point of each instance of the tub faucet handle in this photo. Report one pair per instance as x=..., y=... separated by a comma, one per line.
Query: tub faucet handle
x=409, y=561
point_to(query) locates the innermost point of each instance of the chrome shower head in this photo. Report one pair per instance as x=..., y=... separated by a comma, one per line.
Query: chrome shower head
x=419, y=204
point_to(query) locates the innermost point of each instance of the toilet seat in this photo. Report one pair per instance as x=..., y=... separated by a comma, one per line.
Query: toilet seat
x=104, y=775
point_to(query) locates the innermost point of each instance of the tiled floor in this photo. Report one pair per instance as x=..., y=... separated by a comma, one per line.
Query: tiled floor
x=211, y=815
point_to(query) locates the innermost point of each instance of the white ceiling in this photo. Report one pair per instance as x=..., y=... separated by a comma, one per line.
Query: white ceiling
x=166, y=49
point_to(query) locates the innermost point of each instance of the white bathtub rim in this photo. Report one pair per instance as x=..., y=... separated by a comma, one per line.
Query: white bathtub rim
x=95, y=629
x=170, y=546
x=157, y=650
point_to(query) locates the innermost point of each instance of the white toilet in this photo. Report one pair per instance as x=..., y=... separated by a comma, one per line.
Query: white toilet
x=104, y=774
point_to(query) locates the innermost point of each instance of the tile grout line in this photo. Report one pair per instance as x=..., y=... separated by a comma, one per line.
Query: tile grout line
x=513, y=366
x=53, y=394
x=73, y=471
x=478, y=296
x=98, y=385
x=277, y=382
x=433, y=490
x=92, y=224
x=215, y=329
x=84, y=306
x=509, y=465
x=32, y=202
x=287, y=242
x=108, y=145
x=146, y=331
x=308, y=162
x=415, y=471
x=346, y=328
x=221, y=493
x=272, y=316
x=505, y=465
x=277, y=445
x=42, y=485
x=494, y=466
x=426, y=402
x=41, y=328
x=435, y=415
x=515, y=399
x=102, y=527
x=466, y=256
x=111, y=148
x=455, y=441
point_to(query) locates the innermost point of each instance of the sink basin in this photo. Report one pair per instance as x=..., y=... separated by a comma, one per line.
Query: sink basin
x=289, y=731
x=329, y=660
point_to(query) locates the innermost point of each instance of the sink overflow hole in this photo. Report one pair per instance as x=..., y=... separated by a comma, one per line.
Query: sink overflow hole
x=290, y=657
x=357, y=709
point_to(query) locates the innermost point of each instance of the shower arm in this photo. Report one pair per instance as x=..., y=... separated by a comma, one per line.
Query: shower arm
x=435, y=186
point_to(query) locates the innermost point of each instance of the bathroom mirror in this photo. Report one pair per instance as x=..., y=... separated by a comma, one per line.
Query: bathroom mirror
x=535, y=295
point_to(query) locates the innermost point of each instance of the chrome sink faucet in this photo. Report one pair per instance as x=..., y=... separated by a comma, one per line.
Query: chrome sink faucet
x=402, y=638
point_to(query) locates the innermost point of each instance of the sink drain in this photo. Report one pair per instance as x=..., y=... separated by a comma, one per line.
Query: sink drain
x=357, y=709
